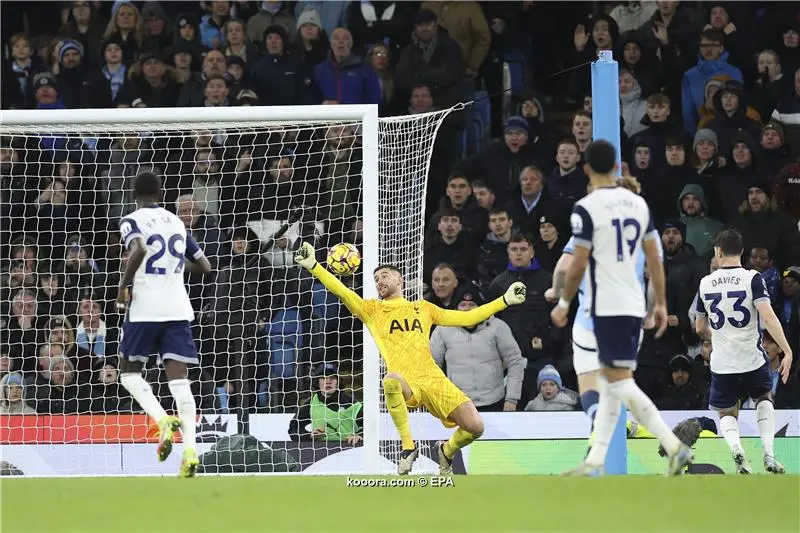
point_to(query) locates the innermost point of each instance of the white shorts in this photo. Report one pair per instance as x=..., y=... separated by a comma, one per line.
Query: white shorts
x=585, y=357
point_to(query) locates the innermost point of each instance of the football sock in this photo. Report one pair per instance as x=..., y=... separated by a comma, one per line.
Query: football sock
x=643, y=408
x=765, y=416
x=396, y=404
x=181, y=391
x=140, y=391
x=458, y=440
x=730, y=431
x=605, y=421
x=589, y=401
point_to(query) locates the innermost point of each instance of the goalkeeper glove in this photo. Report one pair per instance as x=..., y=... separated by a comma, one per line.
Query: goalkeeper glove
x=515, y=294
x=305, y=256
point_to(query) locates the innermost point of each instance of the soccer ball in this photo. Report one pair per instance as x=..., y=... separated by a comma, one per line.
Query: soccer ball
x=343, y=259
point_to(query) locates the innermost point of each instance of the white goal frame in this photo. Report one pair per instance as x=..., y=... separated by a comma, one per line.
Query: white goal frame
x=123, y=118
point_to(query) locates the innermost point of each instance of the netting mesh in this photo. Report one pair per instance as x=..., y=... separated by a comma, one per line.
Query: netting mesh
x=248, y=193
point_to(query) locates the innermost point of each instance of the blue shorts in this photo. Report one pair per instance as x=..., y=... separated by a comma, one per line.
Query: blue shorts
x=172, y=340
x=727, y=389
x=617, y=340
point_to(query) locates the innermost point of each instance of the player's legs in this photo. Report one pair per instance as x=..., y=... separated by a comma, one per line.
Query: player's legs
x=397, y=392
x=587, y=368
x=470, y=428
x=759, y=387
x=724, y=398
x=178, y=350
x=138, y=342
x=618, y=341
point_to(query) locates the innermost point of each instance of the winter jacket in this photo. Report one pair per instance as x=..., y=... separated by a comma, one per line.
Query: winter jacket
x=565, y=400
x=654, y=135
x=700, y=230
x=733, y=181
x=694, y=83
x=499, y=167
x=786, y=189
x=440, y=68
x=350, y=82
x=258, y=24
x=634, y=109
x=137, y=87
x=771, y=229
x=771, y=162
x=474, y=218
x=727, y=126
x=84, y=87
x=492, y=259
x=529, y=221
x=566, y=189
x=282, y=80
x=787, y=114
x=467, y=26
x=531, y=318
x=22, y=407
x=478, y=359
x=461, y=255
x=647, y=70
x=662, y=190
x=90, y=40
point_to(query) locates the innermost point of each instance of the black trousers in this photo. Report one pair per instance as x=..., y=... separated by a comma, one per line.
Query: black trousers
x=492, y=407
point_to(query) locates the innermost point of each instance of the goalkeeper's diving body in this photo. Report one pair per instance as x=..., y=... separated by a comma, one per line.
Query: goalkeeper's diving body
x=401, y=330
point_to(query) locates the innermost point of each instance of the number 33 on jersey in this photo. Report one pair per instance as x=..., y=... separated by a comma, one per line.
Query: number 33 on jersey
x=158, y=287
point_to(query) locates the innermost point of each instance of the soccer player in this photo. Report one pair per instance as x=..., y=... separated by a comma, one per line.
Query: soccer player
x=401, y=330
x=732, y=301
x=584, y=344
x=609, y=226
x=159, y=314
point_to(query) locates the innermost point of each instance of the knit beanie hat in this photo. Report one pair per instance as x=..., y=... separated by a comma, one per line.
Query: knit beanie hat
x=777, y=128
x=516, y=123
x=309, y=16
x=549, y=373
x=705, y=134
x=69, y=44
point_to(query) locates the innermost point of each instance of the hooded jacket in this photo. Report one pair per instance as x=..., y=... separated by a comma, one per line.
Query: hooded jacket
x=477, y=360
x=17, y=408
x=744, y=118
x=353, y=81
x=700, y=230
x=634, y=109
x=787, y=114
x=282, y=79
x=732, y=181
x=694, y=85
x=647, y=70
x=771, y=229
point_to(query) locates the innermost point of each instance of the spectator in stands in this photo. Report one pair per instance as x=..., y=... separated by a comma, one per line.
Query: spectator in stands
x=732, y=181
x=537, y=339
x=19, y=275
x=483, y=194
x=211, y=24
x=269, y=14
x=632, y=14
x=187, y=36
x=21, y=330
x=567, y=183
x=107, y=395
x=236, y=43
x=604, y=33
x=762, y=225
x=152, y=83
x=345, y=78
x=787, y=190
x=23, y=65
x=466, y=24
x=112, y=66
x=760, y=261
x=183, y=59
x=432, y=59
x=771, y=84
x=156, y=30
x=786, y=114
x=713, y=61
x=206, y=180
x=706, y=162
x=785, y=395
x=493, y=255
x=80, y=85
x=551, y=242
x=642, y=162
x=51, y=290
x=310, y=42
x=731, y=115
x=640, y=62
x=774, y=154
x=540, y=129
x=499, y=164
x=280, y=78
x=532, y=203
x=238, y=72
x=5, y=363
x=659, y=124
x=59, y=391
x=193, y=91
x=484, y=361
x=54, y=218
x=384, y=23
x=380, y=61
x=91, y=334
x=632, y=105
x=582, y=129
x=458, y=196
x=47, y=352
x=789, y=47
x=332, y=14
x=46, y=93
x=445, y=286
x=203, y=228
x=85, y=25
x=331, y=415
x=341, y=171
x=681, y=393
x=126, y=23
x=552, y=394
x=14, y=395
x=788, y=304
x=450, y=244
x=216, y=92
x=700, y=229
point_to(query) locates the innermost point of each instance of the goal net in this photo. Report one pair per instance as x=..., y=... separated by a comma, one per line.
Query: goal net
x=288, y=380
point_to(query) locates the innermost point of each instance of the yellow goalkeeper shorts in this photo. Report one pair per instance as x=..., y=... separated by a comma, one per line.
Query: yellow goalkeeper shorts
x=438, y=394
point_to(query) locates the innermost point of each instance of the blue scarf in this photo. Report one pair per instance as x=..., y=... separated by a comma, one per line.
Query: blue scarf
x=533, y=266
x=115, y=79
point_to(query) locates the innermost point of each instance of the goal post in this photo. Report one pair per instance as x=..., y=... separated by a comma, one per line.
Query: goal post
x=389, y=183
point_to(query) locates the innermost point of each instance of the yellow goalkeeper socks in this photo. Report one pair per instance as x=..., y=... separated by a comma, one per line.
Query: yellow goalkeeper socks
x=393, y=391
x=458, y=440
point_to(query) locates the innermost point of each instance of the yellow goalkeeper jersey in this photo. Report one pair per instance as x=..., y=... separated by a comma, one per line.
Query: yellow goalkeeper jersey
x=401, y=328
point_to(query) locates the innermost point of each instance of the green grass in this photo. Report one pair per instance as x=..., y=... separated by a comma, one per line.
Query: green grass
x=752, y=504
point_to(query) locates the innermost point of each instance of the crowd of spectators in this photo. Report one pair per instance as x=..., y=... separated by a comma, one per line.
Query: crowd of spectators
x=710, y=107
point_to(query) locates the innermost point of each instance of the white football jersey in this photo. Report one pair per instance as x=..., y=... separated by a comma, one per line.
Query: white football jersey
x=612, y=222
x=728, y=298
x=159, y=292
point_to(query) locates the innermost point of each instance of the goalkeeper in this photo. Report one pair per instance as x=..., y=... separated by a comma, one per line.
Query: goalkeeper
x=401, y=330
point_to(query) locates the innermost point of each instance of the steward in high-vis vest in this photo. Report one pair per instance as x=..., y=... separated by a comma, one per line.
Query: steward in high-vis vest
x=331, y=414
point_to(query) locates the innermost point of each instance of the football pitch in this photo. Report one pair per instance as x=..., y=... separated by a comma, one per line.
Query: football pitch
x=492, y=504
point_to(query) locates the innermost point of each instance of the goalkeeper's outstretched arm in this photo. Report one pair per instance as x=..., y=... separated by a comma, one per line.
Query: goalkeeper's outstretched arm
x=305, y=257
x=513, y=296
